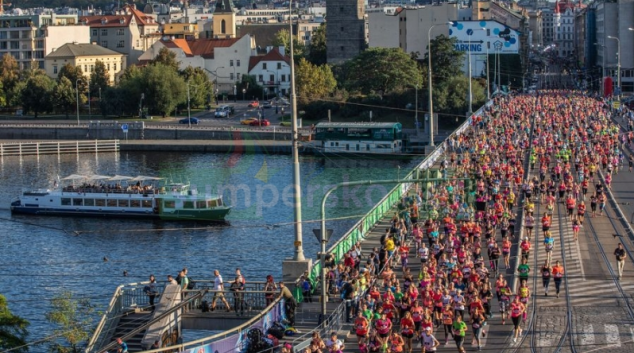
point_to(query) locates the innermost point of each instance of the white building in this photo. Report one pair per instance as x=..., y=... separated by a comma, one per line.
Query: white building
x=548, y=28
x=29, y=38
x=225, y=60
x=564, y=25
x=272, y=71
x=407, y=28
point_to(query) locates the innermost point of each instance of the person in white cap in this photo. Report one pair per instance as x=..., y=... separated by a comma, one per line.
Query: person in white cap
x=428, y=341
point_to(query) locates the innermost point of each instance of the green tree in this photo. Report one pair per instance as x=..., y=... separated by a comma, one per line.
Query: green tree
x=313, y=82
x=10, y=77
x=64, y=96
x=164, y=89
x=99, y=79
x=250, y=84
x=200, y=86
x=317, y=47
x=36, y=95
x=452, y=96
x=382, y=70
x=75, y=75
x=167, y=58
x=73, y=319
x=283, y=39
x=446, y=61
x=13, y=331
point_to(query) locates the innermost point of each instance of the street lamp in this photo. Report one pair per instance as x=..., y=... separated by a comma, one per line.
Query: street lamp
x=297, y=199
x=469, y=33
x=77, y=96
x=618, y=65
x=431, y=102
x=235, y=93
x=487, y=61
x=244, y=91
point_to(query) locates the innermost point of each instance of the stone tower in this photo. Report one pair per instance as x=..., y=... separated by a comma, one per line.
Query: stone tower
x=224, y=20
x=345, y=30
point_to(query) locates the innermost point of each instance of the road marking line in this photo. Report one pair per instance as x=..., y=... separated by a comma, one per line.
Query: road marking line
x=612, y=335
x=587, y=337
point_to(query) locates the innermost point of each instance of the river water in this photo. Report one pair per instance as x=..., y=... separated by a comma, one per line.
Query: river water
x=43, y=256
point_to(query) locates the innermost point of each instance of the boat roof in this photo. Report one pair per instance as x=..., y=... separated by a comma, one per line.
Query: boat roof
x=111, y=178
x=383, y=125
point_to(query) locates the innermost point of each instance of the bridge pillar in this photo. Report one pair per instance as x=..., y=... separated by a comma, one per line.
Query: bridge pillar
x=292, y=269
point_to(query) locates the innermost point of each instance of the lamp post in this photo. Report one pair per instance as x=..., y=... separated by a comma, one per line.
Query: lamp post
x=416, y=111
x=297, y=197
x=487, y=61
x=469, y=33
x=429, y=83
x=189, y=112
x=244, y=91
x=77, y=96
x=618, y=64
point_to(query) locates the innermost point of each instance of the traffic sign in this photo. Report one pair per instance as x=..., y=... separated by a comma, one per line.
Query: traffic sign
x=124, y=127
x=616, y=104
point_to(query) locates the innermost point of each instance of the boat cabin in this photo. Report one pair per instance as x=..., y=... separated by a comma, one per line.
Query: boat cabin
x=371, y=138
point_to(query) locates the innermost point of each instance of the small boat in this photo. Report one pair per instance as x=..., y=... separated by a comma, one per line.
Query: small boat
x=122, y=197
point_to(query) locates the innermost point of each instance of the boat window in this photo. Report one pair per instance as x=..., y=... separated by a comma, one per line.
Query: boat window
x=201, y=204
x=219, y=202
x=188, y=204
x=123, y=203
x=78, y=202
x=112, y=203
x=100, y=202
x=135, y=203
x=65, y=201
x=211, y=203
x=169, y=204
x=89, y=202
x=147, y=203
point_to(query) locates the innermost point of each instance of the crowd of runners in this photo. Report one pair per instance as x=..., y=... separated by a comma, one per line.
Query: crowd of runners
x=459, y=229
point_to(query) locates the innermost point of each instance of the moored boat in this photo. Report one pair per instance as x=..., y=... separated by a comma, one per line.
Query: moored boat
x=122, y=197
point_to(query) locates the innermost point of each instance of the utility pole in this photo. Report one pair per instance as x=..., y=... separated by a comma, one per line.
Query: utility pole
x=189, y=113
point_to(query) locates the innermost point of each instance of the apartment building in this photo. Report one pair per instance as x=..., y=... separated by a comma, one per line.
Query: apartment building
x=128, y=32
x=29, y=38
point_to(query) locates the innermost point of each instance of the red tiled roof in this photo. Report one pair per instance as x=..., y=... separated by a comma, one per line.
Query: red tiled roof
x=110, y=21
x=273, y=55
x=141, y=18
x=199, y=47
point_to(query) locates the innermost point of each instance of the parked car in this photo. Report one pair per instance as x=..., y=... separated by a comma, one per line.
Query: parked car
x=248, y=121
x=267, y=106
x=254, y=104
x=193, y=121
x=223, y=111
x=286, y=123
x=262, y=122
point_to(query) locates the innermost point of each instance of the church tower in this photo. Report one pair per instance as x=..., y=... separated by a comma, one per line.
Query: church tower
x=345, y=30
x=224, y=21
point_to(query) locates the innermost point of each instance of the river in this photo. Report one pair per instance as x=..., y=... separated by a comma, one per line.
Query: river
x=43, y=256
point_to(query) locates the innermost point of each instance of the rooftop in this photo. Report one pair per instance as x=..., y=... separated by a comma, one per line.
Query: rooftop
x=73, y=50
x=199, y=47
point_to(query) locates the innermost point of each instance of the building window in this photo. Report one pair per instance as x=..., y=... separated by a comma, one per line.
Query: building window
x=108, y=66
x=342, y=48
x=55, y=69
x=121, y=44
x=264, y=66
x=272, y=78
x=231, y=76
x=223, y=27
x=238, y=77
x=342, y=29
x=186, y=28
x=260, y=78
x=85, y=68
x=230, y=62
x=115, y=66
x=95, y=32
x=120, y=32
x=104, y=32
x=238, y=63
x=341, y=9
x=283, y=78
x=92, y=68
x=279, y=66
x=104, y=43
